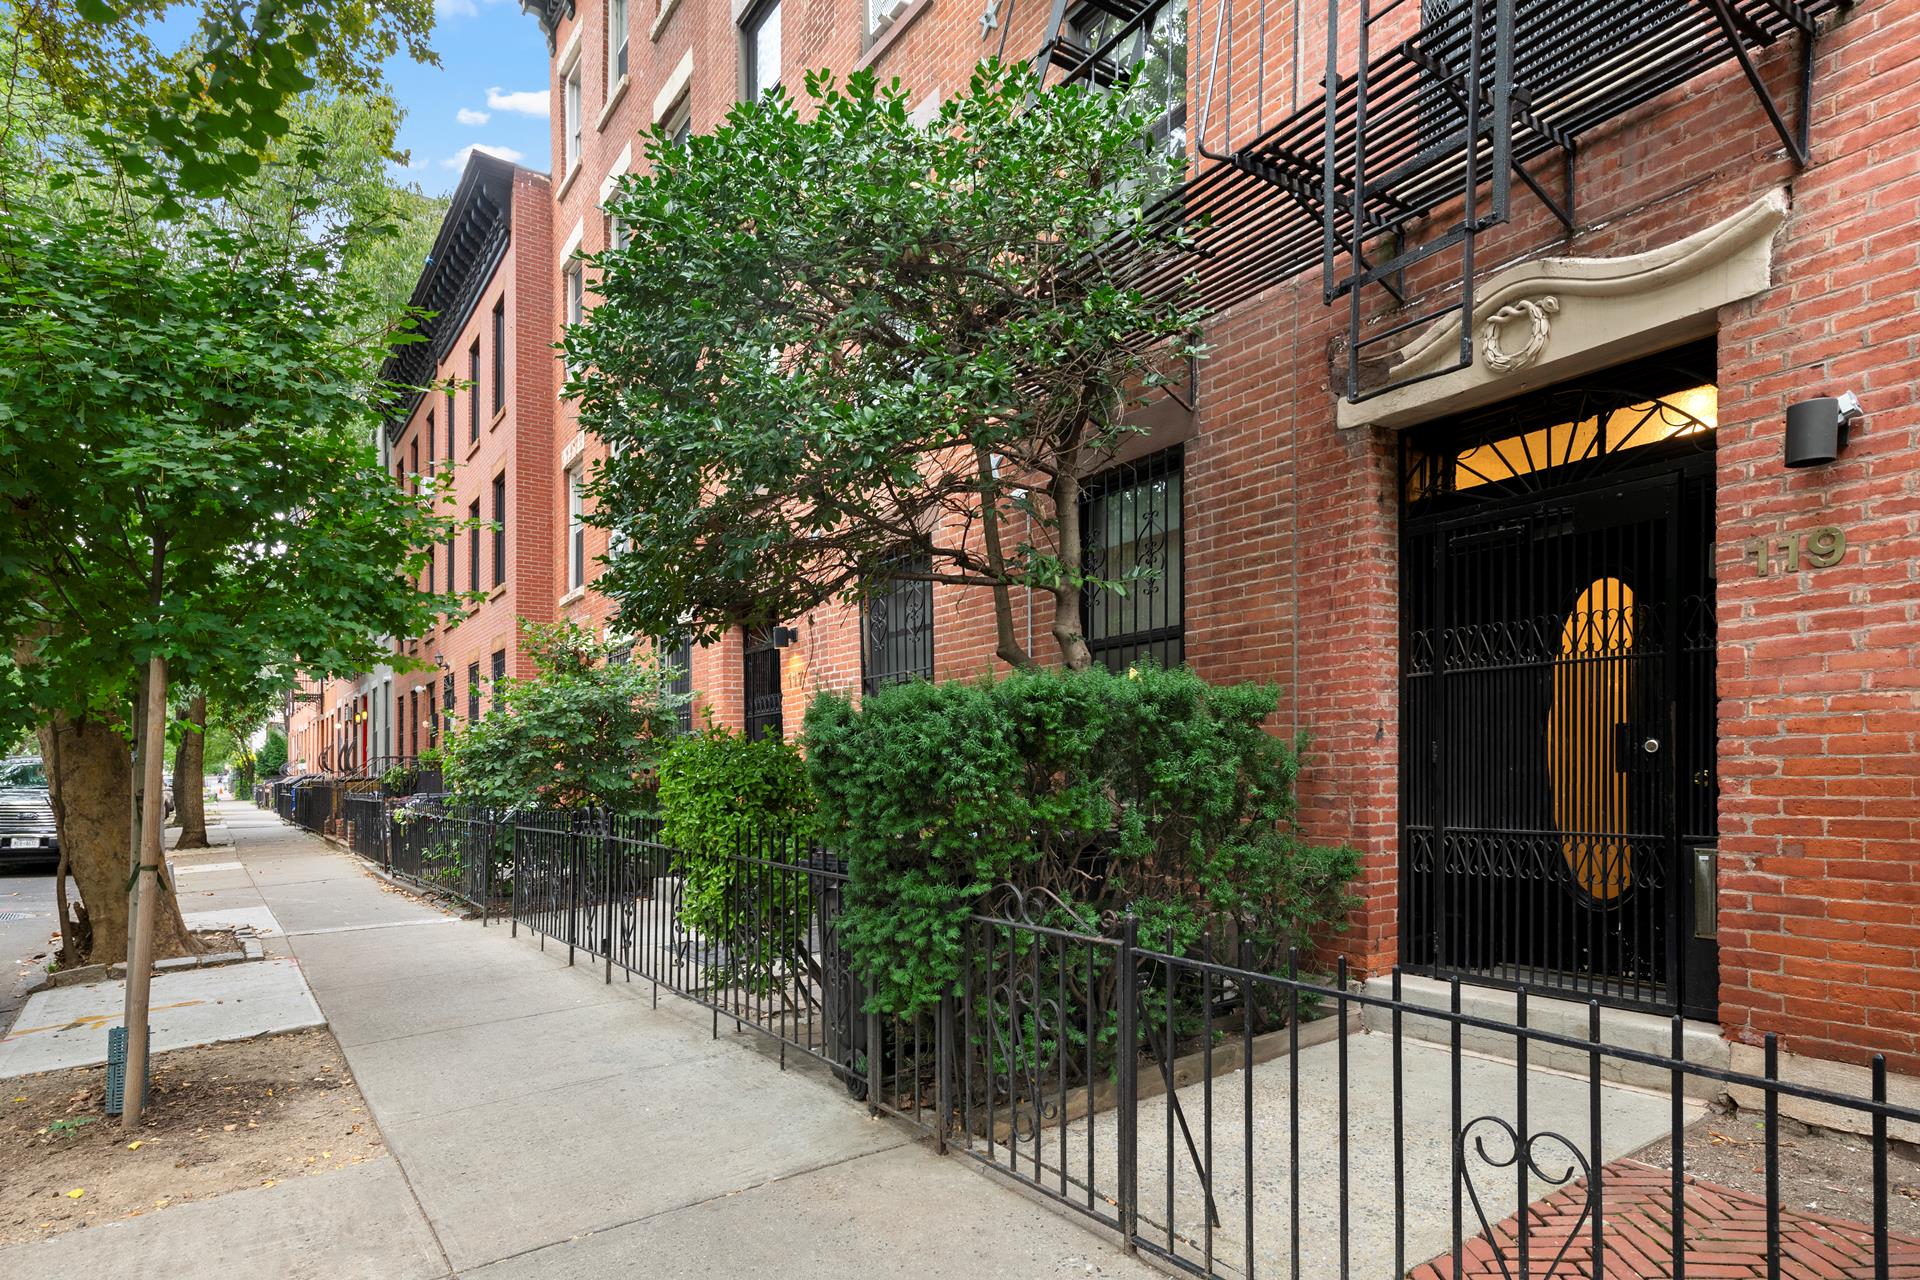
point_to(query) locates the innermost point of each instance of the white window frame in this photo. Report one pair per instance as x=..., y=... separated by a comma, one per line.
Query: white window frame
x=576, y=531
x=573, y=115
x=881, y=14
x=619, y=22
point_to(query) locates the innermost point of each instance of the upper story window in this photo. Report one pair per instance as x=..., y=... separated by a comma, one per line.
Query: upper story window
x=616, y=42
x=676, y=652
x=570, y=123
x=473, y=401
x=1131, y=527
x=576, y=531
x=473, y=691
x=896, y=630
x=677, y=124
x=881, y=13
x=451, y=415
x=473, y=545
x=499, y=354
x=1159, y=49
x=500, y=529
x=760, y=35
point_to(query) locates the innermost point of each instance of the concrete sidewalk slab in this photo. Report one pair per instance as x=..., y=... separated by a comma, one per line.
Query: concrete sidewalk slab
x=67, y=1026
x=258, y=919
x=899, y=1213
x=564, y=1162
x=182, y=868
x=357, y=1223
x=419, y=1003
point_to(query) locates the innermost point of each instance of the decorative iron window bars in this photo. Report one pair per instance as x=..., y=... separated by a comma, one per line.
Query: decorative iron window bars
x=761, y=679
x=896, y=629
x=677, y=652
x=1131, y=532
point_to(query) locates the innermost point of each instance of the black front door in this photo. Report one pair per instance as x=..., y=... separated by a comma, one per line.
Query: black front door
x=1558, y=727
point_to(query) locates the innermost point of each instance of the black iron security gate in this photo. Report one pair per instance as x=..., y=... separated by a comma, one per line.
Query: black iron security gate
x=1558, y=684
x=765, y=710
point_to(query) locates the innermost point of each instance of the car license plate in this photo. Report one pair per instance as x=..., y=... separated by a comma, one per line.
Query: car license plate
x=14, y=842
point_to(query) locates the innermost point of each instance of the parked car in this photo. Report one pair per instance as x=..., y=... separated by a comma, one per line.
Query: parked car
x=27, y=832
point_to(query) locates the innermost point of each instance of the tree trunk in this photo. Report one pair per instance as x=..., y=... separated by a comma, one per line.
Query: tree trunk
x=1007, y=645
x=91, y=776
x=189, y=776
x=1069, y=629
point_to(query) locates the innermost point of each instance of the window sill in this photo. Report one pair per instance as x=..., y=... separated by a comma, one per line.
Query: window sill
x=667, y=9
x=496, y=593
x=473, y=447
x=879, y=47
x=577, y=594
x=566, y=183
x=613, y=103
x=499, y=416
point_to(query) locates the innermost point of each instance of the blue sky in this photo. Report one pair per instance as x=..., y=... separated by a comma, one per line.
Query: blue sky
x=490, y=91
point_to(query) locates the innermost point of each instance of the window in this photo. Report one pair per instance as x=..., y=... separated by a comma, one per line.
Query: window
x=677, y=652
x=500, y=529
x=576, y=287
x=576, y=531
x=1159, y=48
x=446, y=696
x=571, y=142
x=1130, y=525
x=616, y=43
x=499, y=354
x=450, y=418
x=761, y=36
x=762, y=678
x=896, y=629
x=473, y=691
x=473, y=546
x=677, y=124
x=473, y=392
x=499, y=668
x=433, y=568
x=881, y=13
x=413, y=722
x=428, y=433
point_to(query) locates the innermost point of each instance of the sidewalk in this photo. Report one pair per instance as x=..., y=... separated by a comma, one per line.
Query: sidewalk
x=544, y=1125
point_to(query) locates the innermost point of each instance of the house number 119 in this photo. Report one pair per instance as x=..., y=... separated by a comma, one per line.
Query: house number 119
x=1820, y=548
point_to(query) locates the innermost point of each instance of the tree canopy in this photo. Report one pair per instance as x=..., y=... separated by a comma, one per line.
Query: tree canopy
x=838, y=346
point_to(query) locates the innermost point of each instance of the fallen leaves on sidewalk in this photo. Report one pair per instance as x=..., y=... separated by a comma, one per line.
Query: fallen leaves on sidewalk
x=222, y=1118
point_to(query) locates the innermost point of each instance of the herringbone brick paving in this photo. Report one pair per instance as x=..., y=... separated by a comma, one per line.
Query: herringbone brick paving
x=1726, y=1237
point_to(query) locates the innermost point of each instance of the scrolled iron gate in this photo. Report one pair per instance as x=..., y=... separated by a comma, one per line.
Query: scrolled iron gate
x=1558, y=760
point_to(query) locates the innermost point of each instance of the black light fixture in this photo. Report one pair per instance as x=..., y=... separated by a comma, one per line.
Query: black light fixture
x=1817, y=429
x=785, y=636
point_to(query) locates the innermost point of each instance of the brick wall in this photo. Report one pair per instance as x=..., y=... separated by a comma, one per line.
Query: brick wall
x=1292, y=567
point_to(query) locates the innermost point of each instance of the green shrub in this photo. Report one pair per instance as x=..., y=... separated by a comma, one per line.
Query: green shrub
x=1090, y=793
x=722, y=797
x=270, y=761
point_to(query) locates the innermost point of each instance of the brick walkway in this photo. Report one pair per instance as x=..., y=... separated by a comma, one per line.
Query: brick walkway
x=1726, y=1234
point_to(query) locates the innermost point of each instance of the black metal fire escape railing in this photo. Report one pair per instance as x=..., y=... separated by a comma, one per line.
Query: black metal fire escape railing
x=1412, y=147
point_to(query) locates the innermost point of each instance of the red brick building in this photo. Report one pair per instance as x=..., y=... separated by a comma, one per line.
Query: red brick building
x=1614, y=701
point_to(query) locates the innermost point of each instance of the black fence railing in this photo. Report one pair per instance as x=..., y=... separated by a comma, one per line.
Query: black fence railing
x=1232, y=1122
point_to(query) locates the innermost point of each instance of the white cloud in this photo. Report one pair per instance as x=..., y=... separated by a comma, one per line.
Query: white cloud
x=467, y=115
x=458, y=160
x=455, y=8
x=528, y=102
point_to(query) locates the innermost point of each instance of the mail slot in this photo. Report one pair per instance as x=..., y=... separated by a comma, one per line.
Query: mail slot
x=1706, y=893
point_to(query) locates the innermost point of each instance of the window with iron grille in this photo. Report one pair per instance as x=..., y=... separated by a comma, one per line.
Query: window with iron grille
x=1131, y=531
x=473, y=691
x=446, y=696
x=499, y=353
x=765, y=707
x=677, y=652
x=499, y=665
x=500, y=529
x=896, y=629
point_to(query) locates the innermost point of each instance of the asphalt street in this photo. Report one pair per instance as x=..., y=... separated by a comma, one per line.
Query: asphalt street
x=26, y=933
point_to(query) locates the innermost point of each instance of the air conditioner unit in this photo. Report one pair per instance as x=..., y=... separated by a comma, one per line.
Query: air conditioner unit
x=881, y=13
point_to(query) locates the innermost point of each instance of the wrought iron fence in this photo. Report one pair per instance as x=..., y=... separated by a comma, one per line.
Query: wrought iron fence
x=1231, y=1121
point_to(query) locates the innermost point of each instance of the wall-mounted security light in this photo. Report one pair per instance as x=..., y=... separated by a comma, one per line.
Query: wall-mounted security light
x=785, y=636
x=1817, y=429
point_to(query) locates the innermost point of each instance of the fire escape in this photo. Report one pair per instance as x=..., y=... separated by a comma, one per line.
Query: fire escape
x=1430, y=117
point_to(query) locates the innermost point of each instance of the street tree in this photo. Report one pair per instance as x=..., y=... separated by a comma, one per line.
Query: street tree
x=840, y=347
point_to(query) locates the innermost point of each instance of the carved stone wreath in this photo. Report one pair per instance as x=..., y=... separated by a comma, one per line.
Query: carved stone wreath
x=1539, y=327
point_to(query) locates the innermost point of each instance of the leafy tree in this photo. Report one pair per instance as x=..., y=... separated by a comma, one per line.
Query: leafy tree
x=197, y=119
x=186, y=466
x=583, y=732
x=838, y=346
x=271, y=759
